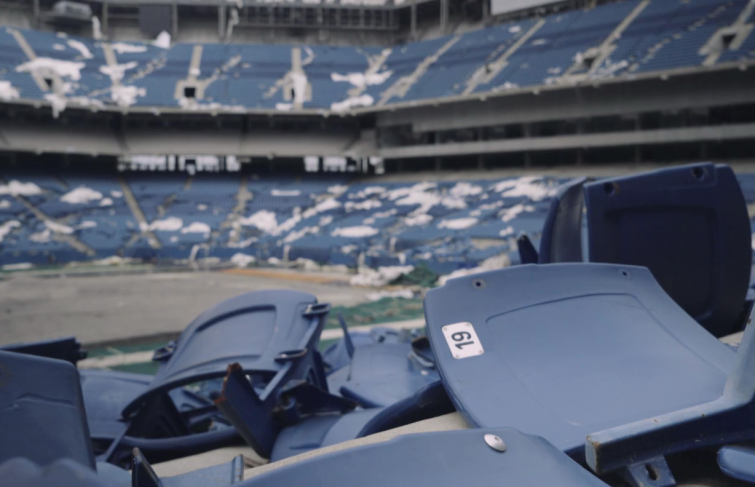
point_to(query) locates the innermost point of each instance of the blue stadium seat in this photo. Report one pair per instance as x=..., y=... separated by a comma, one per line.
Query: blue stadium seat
x=440, y=459
x=273, y=335
x=688, y=225
x=42, y=411
x=565, y=350
x=738, y=462
x=639, y=447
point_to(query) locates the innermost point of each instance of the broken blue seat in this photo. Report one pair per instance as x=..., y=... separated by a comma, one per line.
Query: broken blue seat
x=22, y=472
x=272, y=335
x=319, y=431
x=45, y=438
x=42, y=414
x=441, y=459
x=565, y=350
x=640, y=447
x=687, y=224
x=738, y=462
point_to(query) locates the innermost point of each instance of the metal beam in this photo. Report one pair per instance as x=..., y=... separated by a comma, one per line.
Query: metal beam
x=612, y=139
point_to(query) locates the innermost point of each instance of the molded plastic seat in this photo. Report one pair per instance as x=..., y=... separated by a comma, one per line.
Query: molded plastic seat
x=324, y=430
x=564, y=350
x=738, y=462
x=440, y=459
x=382, y=374
x=561, y=240
x=272, y=334
x=21, y=472
x=42, y=414
x=252, y=329
x=688, y=225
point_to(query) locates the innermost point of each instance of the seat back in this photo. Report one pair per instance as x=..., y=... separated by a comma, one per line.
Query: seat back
x=561, y=240
x=42, y=414
x=564, y=350
x=254, y=330
x=688, y=225
x=440, y=459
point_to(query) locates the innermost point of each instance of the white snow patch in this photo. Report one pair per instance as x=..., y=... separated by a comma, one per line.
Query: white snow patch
x=197, y=227
x=352, y=102
x=337, y=189
x=284, y=107
x=299, y=81
x=59, y=47
x=125, y=96
x=369, y=191
x=116, y=194
x=421, y=219
x=4, y=204
x=162, y=40
x=81, y=195
x=347, y=249
x=362, y=79
x=123, y=48
x=16, y=188
x=297, y=234
x=57, y=102
x=285, y=192
x=40, y=237
x=458, y=223
x=106, y=202
x=401, y=293
x=46, y=66
x=527, y=186
x=539, y=42
x=355, y=232
x=243, y=260
x=116, y=72
x=362, y=205
x=7, y=91
x=510, y=213
x=515, y=29
x=7, y=227
x=324, y=205
x=86, y=224
x=58, y=227
x=465, y=189
x=96, y=29
x=326, y=220
x=264, y=220
x=380, y=277
x=81, y=47
x=170, y=224
x=243, y=244
x=506, y=232
x=18, y=267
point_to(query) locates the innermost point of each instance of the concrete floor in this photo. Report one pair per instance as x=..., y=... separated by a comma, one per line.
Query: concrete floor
x=115, y=307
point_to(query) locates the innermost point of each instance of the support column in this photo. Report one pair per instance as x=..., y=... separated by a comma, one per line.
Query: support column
x=35, y=7
x=703, y=151
x=438, y=164
x=481, y=162
x=414, y=22
x=485, y=11
x=221, y=22
x=443, y=16
x=527, y=159
x=637, y=154
x=174, y=26
x=104, y=24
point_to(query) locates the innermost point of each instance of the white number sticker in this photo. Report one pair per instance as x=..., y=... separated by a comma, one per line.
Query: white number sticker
x=462, y=340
